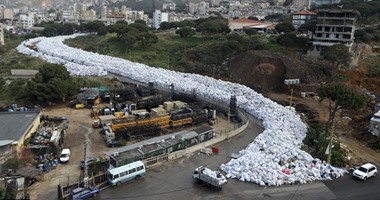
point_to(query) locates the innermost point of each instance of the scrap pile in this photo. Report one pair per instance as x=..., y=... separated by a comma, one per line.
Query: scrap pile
x=274, y=158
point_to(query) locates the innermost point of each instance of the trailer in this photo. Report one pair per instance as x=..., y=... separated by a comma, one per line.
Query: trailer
x=213, y=179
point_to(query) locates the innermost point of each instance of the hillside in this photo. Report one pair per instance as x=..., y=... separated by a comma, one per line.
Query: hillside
x=358, y=144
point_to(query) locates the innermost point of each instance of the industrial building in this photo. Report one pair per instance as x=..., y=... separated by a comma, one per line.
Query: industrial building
x=159, y=146
x=334, y=26
x=15, y=127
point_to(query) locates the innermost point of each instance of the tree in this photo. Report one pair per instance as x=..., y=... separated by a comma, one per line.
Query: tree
x=166, y=25
x=94, y=26
x=286, y=39
x=188, y=23
x=102, y=31
x=339, y=97
x=285, y=27
x=309, y=26
x=185, y=32
x=253, y=18
x=130, y=39
x=140, y=27
x=148, y=39
x=250, y=31
x=118, y=28
x=274, y=17
x=140, y=21
x=2, y=193
x=337, y=54
x=51, y=83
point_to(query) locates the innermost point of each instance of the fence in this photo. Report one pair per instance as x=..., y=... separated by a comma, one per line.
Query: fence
x=95, y=180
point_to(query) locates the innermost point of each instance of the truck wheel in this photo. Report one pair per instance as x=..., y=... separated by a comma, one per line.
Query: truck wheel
x=118, y=183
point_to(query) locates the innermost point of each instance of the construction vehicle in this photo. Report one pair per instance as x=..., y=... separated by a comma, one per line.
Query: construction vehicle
x=108, y=136
x=213, y=179
x=96, y=124
x=79, y=106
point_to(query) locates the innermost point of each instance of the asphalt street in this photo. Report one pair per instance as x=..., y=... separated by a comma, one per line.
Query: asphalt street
x=173, y=181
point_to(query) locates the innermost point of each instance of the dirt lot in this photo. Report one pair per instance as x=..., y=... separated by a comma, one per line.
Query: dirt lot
x=78, y=132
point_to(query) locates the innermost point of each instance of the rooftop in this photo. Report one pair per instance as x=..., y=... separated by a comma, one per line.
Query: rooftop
x=14, y=125
x=23, y=72
x=304, y=12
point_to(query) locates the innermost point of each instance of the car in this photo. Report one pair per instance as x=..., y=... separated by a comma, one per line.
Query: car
x=89, y=162
x=65, y=156
x=365, y=171
x=83, y=193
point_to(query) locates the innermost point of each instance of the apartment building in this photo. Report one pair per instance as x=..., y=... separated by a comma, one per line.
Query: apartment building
x=2, y=42
x=334, y=26
x=158, y=18
x=301, y=17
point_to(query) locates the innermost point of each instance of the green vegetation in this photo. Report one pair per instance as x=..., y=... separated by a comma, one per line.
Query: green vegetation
x=12, y=164
x=339, y=97
x=337, y=54
x=11, y=59
x=51, y=83
x=369, y=10
x=367, y=35
x=316, y=144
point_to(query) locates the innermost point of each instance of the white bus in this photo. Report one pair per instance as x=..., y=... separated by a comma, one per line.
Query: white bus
x=119, y=175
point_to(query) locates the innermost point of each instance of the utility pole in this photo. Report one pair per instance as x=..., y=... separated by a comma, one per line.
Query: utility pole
x=330, y=142
x=85, y=173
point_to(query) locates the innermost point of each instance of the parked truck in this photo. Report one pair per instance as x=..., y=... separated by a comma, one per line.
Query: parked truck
x=213, y=179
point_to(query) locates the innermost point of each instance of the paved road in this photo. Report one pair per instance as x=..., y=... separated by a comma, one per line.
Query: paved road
x=173, y=181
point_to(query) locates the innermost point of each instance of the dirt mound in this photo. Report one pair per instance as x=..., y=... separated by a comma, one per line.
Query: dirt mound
x=247, y=69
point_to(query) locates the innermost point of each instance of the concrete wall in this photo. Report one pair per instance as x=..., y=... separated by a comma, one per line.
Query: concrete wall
x=218, y=138
x=17, y=149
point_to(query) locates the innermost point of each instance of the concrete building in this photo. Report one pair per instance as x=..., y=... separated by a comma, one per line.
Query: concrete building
x=158, y=18
x=23, y=73
x=200, y=8
x=301, y=17
x=14, y=129
x=168, y=5
x=326, y=2
x=2, y=42
x=8, y=14
x=304, y=4
x=26, y=21
x=334, y=26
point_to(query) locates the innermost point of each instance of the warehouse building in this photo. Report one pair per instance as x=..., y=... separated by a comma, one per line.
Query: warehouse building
x=15, y=127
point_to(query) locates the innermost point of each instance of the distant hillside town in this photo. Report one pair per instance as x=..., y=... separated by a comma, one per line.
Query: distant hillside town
x=20, y=16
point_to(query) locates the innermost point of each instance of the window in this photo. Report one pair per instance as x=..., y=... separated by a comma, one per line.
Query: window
x=116, y=176
x=132, y=170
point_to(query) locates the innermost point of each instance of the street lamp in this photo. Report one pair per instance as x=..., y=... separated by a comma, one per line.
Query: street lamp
x=291, y=82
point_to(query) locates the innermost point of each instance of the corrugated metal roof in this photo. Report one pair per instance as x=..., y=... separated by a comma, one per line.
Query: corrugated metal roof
x=14, y=125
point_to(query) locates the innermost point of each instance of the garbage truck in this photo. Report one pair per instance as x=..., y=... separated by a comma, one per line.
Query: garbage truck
x=213, y=179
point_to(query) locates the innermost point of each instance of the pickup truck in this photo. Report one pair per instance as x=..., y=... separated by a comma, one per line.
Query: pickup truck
x=214, y=179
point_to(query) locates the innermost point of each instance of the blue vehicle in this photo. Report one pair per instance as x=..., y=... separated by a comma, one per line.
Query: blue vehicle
x=83, y=193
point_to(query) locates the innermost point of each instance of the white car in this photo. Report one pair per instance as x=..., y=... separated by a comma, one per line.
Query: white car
x=65, y=156
x=365, y=171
